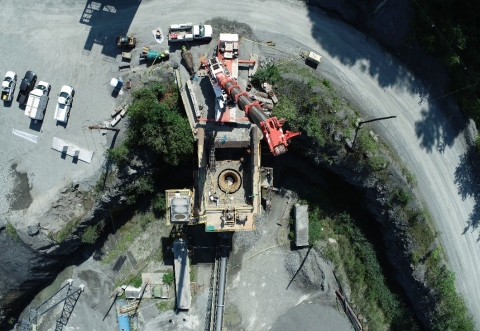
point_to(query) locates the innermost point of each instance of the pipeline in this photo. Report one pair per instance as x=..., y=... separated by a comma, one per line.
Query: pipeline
x=221, y=280
x=221, y=293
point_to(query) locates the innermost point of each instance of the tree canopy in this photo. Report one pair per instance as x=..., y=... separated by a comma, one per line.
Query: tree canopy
x=156, y=123
x=451, y=29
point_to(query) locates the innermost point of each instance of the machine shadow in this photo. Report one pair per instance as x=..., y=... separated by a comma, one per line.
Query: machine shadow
x=105, y=20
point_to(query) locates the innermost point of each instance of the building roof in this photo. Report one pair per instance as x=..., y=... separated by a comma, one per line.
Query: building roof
x=301, y=225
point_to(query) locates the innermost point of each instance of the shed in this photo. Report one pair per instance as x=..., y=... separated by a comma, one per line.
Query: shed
x=301, y=225
x=132, y=292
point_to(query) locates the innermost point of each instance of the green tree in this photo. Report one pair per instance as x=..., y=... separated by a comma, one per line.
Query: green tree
x=119, y=154
x=91, y=234
x=159, y=204
x=155, y=122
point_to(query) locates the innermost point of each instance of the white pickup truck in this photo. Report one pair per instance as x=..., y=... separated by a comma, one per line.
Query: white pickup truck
x=189, y=32
x=8, y=86
x=37, y=101
x=64, y=103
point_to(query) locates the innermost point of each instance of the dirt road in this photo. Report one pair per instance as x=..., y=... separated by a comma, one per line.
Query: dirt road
x=74, y=41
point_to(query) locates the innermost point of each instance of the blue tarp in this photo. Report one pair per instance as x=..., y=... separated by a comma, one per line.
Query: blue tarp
x=123, y=320
x=123, y=323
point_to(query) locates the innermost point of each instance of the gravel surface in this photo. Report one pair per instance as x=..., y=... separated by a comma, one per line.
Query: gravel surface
x=7, y=181
x=70, y=44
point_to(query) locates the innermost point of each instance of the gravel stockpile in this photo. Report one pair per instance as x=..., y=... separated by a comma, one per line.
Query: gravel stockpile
x=305, y=267
x=246, y=239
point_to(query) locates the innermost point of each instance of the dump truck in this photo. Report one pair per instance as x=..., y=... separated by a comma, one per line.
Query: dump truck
x=64, y=103
x=8, y=86
x=37, y=101
x=189, y=32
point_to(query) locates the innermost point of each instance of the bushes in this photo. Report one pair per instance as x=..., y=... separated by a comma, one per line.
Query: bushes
x=142, y=186
x=270, y=74
x=403, y=196
x=91, y=234
x=119, y=154
x=314, y=225
x=159, y=204
x=357, y=258
x=11, y=229
x=168, y=278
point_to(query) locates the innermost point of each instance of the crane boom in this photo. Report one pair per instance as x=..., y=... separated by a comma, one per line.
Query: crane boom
x=271, y=127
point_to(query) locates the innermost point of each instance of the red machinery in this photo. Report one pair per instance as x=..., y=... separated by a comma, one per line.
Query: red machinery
x=273, y=134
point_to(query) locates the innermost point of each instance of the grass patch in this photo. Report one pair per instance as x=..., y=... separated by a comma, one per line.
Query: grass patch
x=67, y=230
x=127, y=234
x=13, y=232
x=137, y=281
x=105, y=180
x=403, y=196
x=409, y=176
x=165, y=305
x=421, y=233
x=451, y=312
x=356, y=258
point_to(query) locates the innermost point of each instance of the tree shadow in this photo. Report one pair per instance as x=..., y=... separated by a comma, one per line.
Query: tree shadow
x=437, y=131
x=468, y=184
x=399, y=64
x=106, y=20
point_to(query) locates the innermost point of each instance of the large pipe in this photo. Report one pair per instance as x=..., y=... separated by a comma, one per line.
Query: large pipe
x=255, y=112
x=271, y=128
x=221, y=291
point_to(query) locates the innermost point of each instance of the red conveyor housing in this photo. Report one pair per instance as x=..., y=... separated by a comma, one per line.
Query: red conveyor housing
x=273, y=134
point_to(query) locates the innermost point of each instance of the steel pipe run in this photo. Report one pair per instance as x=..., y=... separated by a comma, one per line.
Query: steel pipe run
x=221, y=292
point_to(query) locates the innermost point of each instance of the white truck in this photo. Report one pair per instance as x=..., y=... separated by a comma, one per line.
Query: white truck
x=37, y=101
x=64, y=103
x=189, y=32
x=8, y=86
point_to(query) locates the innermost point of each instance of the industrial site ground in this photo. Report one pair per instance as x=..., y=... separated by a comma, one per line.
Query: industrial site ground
x=66, y=45
x=264, y=289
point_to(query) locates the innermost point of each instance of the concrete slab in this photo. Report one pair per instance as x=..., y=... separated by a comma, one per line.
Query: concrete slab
x=301, y=225
x=72, y=150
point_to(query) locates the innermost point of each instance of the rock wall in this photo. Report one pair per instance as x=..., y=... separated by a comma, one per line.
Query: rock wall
x=393, y=229
x=31, y=260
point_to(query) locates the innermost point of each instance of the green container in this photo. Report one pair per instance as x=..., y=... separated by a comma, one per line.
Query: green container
x=210, y=228
x=151, y=55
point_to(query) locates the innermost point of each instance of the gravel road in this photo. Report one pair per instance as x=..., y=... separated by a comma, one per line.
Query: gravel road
x=74, y=44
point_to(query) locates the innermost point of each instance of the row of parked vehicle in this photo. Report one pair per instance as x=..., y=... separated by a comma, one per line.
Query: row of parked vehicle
x=35, y=98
